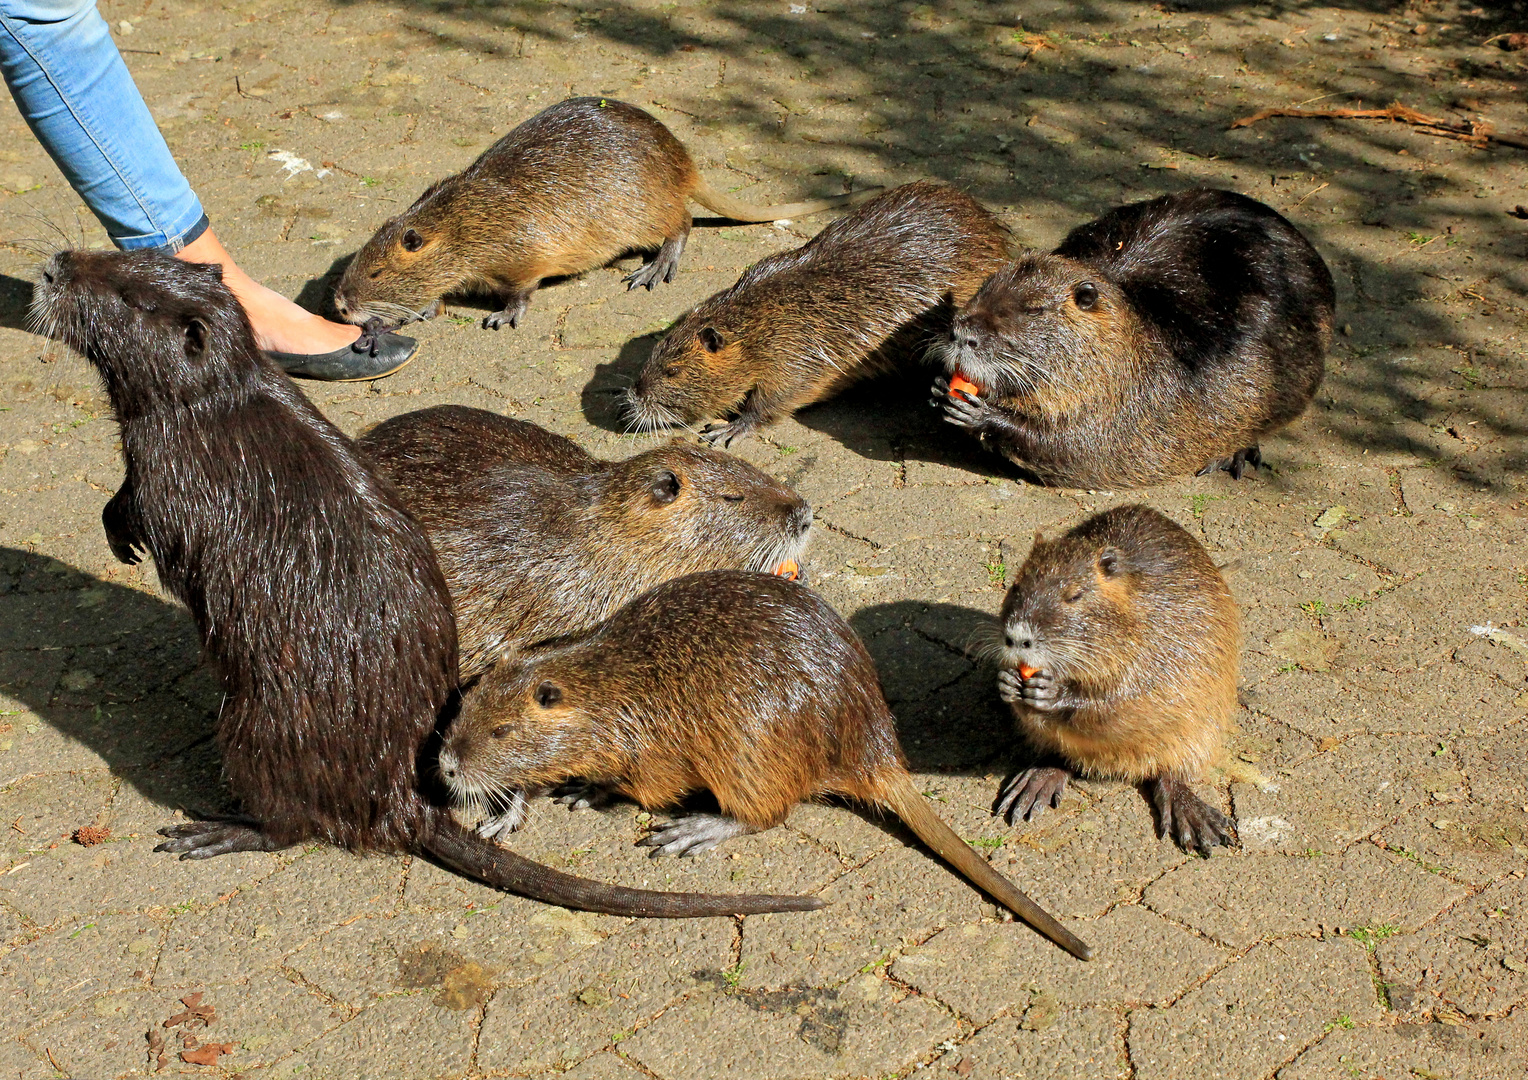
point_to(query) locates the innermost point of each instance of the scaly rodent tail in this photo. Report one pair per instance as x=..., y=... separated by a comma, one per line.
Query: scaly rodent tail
x=485, y=861
x=732, y=208
x=904, y=800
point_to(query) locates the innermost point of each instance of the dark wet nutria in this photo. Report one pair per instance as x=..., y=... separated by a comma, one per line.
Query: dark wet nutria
x=569, y=190
x=746, y=685
x=1119, y=657
x=1165, y=338
x=868, y=291
x=317, y=597
x=555, y=544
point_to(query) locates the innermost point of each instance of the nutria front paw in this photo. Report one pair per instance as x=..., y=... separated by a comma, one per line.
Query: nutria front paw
x=693, y=834
x=1010, y=686
x=1193, y=824
x=510, y=815
x=1026, y=794
x=725, y=433
x=205, y=839
x=962, y=409
x=582, y=795
x=511, y=312
x=1039, y=691
x=1236, y=464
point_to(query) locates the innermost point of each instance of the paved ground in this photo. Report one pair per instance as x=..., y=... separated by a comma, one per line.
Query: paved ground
x=1375, y=921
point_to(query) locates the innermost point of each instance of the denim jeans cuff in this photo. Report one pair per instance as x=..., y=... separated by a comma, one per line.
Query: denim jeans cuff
x=168, y=241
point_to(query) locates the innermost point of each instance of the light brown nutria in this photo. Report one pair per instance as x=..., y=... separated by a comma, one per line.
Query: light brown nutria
x=572, y=188
x=745, y=685
x=1165, y=338
x=867, y=292
x=316, y=595
x=534, y=550
x=1119, y=657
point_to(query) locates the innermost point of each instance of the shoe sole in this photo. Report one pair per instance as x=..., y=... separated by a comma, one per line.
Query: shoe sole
x=363, y=378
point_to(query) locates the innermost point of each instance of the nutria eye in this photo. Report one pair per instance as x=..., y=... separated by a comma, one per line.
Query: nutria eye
x=671, y=372
x=732, y=498
x=412, y=241
x=548, y=694
x=502, y=731
x=375, y=274
x=710, y=339
x=1073, y=597
x=1085, y=296
x=665, y=487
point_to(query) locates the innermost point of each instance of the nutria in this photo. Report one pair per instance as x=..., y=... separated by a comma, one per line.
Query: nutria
x=1120, y=646
x=798, y=327
x=569, y=190
x=535, y=550
x=316, y=595
x=746, y=685
x=1165, y=338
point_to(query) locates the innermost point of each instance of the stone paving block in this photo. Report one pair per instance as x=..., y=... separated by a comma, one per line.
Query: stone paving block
x=16, y=1060
x=1239, y=901
x=1257, y=1013
x=1494, y=764
x=259, y=925
x=864, y=1028
x=605, y=993
x=1459, y=1052
x=981, y=969
x=38, y=809
x=1338, y=796
x=1080, y=1044
x=57, y=971
x=611, y=1066
x=418, y=1040
x=1466, y=841
x=1473, y=959
x=511, y=940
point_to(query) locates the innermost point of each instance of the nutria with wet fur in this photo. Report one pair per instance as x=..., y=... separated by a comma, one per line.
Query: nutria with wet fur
x=316, y=595
x=1119, y=658
x=1167, y=337
x=537, y=538
x=868, y=292
x=746, y=685
x=570, y=189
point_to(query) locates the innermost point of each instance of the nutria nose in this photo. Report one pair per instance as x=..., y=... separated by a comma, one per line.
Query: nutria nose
x=447, y=764
x=801, y=518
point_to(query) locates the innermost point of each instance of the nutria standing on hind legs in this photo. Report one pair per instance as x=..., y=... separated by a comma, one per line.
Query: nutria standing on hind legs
x=1119, y=656
x=537, y=538
x=746, y=685
x=866, y=293
x=1165, y=338
x=316, y=595
x=570, y=189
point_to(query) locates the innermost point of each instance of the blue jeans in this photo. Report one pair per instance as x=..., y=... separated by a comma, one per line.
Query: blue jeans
x=76, y=95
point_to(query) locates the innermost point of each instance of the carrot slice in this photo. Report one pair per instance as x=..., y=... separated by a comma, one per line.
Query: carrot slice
x=789, y=569
x=965, y=385
x=1027, y=672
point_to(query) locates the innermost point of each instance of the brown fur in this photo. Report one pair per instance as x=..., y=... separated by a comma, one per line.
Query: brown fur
x=745, y=685
x=570, y=189
x=871, y=289
x=1166, y=337
x=1136, y=640
x=538, y=538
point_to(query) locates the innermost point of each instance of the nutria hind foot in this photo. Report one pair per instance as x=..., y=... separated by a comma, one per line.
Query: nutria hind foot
x=693, y=833
x=663, y=266
x=514, y=308
x=1193, y=824
x=1236, y=464
x=1027, y=793
x=219, y=836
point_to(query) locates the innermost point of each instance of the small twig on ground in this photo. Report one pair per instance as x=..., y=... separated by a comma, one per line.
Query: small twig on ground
x=1311, y=192
x=1477, y=133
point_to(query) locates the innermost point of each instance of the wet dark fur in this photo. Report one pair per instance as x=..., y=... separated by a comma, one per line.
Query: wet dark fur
x=568, y=190
x=1136, y=640
x=538, y=538
x=746, y=685
x=317, y=596
x=1207, y=332
x=861, y=296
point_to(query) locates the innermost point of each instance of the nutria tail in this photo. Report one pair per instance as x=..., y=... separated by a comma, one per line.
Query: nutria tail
x=903, y=799
x=470, y=854
x=741, y=211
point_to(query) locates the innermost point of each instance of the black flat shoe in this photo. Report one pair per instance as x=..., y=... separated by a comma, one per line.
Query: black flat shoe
x=370, y=356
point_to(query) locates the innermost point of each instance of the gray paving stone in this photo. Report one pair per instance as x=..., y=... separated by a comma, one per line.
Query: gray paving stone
x=404, y=1037
x=981, y=969
x=1256, y=1014
x=1241, y=901
x=57, y=971
x=1046, y=1040
x=1460, y=1052
x=1467, y=841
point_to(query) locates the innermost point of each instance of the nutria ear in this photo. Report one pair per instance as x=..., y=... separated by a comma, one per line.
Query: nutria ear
x=212, y=270
x=711, y=338
x=665, y=487
x=1085, y=296
x=1039, y=538
x=412, y=241
x=196, y=338
x=548, y=694
x=1108, y=562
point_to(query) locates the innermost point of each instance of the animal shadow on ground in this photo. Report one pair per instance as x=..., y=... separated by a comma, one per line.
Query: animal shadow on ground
x=603, y=397
x=115, y=670
x=15, y=302
x=318, y=294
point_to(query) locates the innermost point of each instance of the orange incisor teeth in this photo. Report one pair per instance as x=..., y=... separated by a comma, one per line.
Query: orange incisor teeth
x=965, y=385
x=1027, y=672
x=789, y=569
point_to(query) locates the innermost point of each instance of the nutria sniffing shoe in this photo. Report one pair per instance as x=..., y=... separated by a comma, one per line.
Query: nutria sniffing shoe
x=1167, y=337
x=317, y=597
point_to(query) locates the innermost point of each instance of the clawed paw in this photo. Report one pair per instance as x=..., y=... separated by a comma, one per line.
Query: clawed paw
x=1028, y=793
